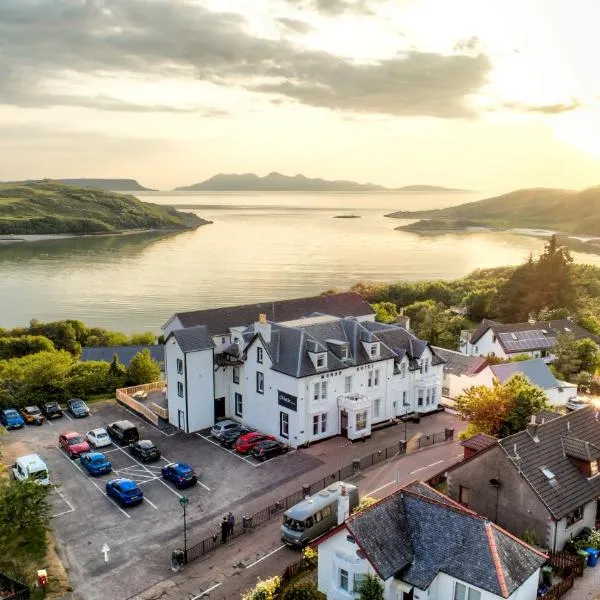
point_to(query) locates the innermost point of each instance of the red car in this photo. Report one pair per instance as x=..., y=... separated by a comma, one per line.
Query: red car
x=246, y=442
x=73, y=443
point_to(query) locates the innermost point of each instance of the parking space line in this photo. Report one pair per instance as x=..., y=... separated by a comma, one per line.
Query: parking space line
x=265, y=556
x=66, y=415
x=205, y=592
x=151, y=473
x=204, y=486
x=93, y=483
x=64, y=512
x=227, y=450
x=148, y=423
x=150, y=503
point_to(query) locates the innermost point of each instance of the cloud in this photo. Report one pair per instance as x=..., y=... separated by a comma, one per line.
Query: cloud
x=296, y=25
x=334, y=8
x=46, y=40
x=545, y=109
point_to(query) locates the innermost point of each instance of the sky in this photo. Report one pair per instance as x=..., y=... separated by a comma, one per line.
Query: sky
x=491, y=95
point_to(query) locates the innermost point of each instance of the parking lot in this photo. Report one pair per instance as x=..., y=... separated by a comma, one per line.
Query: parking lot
x=141, y=538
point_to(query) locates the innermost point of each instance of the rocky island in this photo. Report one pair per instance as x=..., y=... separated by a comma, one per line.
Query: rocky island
x=52, y=208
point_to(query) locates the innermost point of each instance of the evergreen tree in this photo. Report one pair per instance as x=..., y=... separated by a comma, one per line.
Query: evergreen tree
x=371, y=588
x=142, y=369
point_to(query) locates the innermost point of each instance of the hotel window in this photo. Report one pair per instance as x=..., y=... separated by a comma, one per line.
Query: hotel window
x=404, y=402
x=377, y=408
x=463, y=495
x=179, y=366
x=464, y=592
x=317, y=387
x=284, y=424
x=348, y=384
x=259, y=355
x=260, y=382
x=373, y=378
x=403, y=370
x=343, y=579
x=374, y=350
x=319, y=423
x=320, y=361
x=361, y=420
x=239, y=405
x=426, y=361
x=236, y=374
x=420, y=398
x=323, y=390
x=427, y=392
x=344, y=352
x=180, y=389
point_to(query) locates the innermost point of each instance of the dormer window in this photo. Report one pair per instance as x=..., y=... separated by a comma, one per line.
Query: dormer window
x=321, y=361
x=344, y=353
x=374, y=351
x=593, y=468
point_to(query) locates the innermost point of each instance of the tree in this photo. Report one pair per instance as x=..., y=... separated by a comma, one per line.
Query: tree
x=142, y=369
x=588, y=353
x=502, y=409
x=385, y=312
x=371, y=588
x=478, y=303
x=574, y=356
x=433, y=322
x=141, y=339
x=302, y=591
x=15, y=347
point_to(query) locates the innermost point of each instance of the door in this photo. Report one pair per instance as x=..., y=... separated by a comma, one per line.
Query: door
x=344, y=423
x=284, y=425
x=219, y=409
x=181, y=419
x=407, y=595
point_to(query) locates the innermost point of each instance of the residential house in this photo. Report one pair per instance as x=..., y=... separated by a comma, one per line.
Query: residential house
x=535, y=370
x=458, y=370
x=544, y=480
x=535, y=339
x=477, y=443
x=301, y=380
x=424, y=546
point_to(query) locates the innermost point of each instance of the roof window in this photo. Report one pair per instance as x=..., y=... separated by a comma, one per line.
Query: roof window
x=548, y=473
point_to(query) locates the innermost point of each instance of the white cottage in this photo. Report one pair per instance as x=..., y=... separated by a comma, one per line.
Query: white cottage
x=301, y=380
x=424, y=546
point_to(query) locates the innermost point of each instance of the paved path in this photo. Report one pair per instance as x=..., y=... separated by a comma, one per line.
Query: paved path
x=586, y=587
x=232, y=569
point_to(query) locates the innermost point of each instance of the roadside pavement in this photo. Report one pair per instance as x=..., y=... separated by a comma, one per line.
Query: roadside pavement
x=233, y=568
x=586, y=587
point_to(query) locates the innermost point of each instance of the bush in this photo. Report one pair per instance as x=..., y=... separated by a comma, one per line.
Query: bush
x=15, y=347
x=371, y=588
x=311, y=557
x=364, y=503
x=267, y=589
x=302, y=591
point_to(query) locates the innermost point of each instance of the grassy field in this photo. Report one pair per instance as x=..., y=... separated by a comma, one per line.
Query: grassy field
x=49, y=207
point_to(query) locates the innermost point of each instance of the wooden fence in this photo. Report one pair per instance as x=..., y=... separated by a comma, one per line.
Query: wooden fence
x=559, y=589
x=125, y=396
x=569, y=563
x=159, y=410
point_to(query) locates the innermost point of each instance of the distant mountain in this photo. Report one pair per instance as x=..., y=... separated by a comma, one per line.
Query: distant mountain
x=299, y=183
x=566, y=211
x=113, y=185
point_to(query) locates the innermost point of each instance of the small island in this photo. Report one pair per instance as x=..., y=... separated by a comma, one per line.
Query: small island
x=51, y=208
x=112, y=185
x=346, y=217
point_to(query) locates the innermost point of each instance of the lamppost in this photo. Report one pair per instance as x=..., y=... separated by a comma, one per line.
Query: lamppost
x=406, y=405
x=184, y=502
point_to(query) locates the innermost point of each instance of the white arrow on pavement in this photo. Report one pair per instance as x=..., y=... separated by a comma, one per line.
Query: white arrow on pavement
x=105, y=550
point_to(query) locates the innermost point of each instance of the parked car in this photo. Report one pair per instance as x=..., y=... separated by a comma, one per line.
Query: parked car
x=268, y=449
x=123, y=432
x=98, y=437
x=181, y=474
x=31, y=468
x=125, y=491
x=95, y=463
x=32, y=415
x=576, y=403
x=11, y=419
x=246, y=442
x=230, y=437
x=78, y=408
x=73, y=444
x=220, y=427
x=52, y=410
x=145, y=450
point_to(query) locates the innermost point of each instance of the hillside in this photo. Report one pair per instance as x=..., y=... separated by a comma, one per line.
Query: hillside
x=565, y=211
x=49, y=207
x=298, y=183
x=113, y=185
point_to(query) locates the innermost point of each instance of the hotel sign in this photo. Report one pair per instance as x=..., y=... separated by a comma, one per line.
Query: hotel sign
x=287, y=401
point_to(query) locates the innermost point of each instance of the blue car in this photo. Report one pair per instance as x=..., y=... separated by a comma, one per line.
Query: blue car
x=95, y=463
x=180, y=474
x=11, y=419
x=125, y=491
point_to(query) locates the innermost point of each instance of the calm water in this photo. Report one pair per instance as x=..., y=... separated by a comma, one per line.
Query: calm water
x=260, y=247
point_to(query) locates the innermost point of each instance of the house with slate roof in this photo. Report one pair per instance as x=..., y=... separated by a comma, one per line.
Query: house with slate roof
x=458, y=370
x=424, y=546
x=534, y=338
x=302, y=380
x=545, y=479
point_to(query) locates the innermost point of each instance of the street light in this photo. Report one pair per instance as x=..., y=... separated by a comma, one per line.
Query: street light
x=184, y=502
x=406, y=405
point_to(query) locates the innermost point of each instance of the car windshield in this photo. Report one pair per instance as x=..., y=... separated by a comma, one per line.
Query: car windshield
x=183, y=470
x=78, y=404
x=11, y=413
x=40, y=474
x=52, y=405
x=33, y=411
x=293, y=524
x=101, y=434
x=97, y=460
x=75, y=440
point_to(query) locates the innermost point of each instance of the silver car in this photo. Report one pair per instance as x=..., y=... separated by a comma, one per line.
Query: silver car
x=577, y=403
x=220, y=427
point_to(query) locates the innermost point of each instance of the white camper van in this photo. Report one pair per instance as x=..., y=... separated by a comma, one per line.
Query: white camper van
x=31, y=467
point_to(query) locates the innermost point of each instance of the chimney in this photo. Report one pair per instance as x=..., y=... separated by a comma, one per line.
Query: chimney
x=343, y=506
x=403, y=321
x=532, y=429
x=263, y=327
x=531, y=320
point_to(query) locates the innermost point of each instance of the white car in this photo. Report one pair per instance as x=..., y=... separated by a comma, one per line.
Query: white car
x=98, y=438
x=577, y=403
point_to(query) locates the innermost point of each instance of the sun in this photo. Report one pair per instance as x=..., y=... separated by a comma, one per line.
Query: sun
x=580, y=129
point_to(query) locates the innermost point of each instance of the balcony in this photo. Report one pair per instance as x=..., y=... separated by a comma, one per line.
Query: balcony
x=354, y=402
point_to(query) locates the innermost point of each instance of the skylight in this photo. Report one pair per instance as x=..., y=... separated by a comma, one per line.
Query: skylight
x=548, y=473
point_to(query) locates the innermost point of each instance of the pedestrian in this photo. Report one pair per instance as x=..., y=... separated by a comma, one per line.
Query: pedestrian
x=231, y=521
x=224, y=529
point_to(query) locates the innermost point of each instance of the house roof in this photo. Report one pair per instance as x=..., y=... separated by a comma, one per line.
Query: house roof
x=193, y=339
x=458, y=363
x=124, y=353
x=478, y=442
x=220, y=320
x=556, y=438
x=416, y=533
x=546, y=415
x=536, y=370
x=525, y=337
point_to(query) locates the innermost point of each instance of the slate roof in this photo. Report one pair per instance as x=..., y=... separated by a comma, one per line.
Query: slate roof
x=458, y=363
x=125, y=353
x=525, y=337
x=416, y=533
x=546, y=415
x=193, y=338
x=536, y=370
x=478, y=442
x=289, y=353
x=570, y=488
x=220, y=320
x=580, y=449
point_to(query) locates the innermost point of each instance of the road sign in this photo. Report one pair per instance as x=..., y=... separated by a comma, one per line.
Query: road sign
x=105, y=550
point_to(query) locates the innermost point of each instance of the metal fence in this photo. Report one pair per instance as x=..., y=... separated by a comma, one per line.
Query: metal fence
x=358, y=464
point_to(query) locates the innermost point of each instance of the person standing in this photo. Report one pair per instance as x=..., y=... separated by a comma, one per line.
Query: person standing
x=231, y=521
x=224, y=529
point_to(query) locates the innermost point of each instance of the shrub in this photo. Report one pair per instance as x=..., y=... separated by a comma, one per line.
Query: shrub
x=364, y=503
x=142, y=369
x=302, y=591
x=311, y=557
x=266, y=589
x=371, y=588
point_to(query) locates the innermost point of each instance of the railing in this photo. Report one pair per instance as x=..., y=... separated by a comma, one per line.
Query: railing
x=159, y=410
x=138, y=407
x=126, y=396
x=280, y=506
x=145, y=387
x=559, y=589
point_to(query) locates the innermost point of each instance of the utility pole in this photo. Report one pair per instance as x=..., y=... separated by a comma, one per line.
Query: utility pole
x=184, y=502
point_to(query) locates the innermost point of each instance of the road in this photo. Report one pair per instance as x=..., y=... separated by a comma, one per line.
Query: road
x=231, y=570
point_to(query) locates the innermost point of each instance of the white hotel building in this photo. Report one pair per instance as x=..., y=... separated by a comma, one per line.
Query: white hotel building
x=302, y=370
